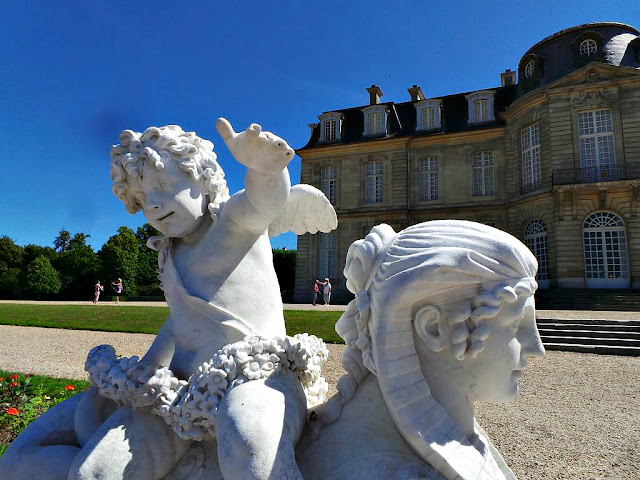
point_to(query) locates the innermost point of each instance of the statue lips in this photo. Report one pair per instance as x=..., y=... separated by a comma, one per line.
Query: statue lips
x=167, y=215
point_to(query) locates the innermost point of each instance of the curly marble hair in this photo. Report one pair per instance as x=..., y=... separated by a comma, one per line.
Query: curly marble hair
x=194, y=155
x=393, y=275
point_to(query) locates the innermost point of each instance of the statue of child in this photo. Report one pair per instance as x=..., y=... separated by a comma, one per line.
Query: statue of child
x=217, y=273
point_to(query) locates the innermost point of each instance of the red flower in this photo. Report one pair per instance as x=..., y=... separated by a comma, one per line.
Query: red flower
x=27, y=375
x=13, y=384
x=13, y=411
x=1, y=379
x=69, y=387
x=14, y=377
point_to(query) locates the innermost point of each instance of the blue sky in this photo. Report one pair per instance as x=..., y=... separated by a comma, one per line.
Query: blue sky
x=74, y=74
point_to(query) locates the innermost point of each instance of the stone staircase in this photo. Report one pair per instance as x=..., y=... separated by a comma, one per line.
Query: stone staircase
x=601, y=299
x=602, y=336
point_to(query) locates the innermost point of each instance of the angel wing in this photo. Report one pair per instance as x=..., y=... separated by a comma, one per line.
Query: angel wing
x=306, y=210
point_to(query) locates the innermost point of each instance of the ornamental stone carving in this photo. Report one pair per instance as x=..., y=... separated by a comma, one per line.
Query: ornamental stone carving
x=594, y=97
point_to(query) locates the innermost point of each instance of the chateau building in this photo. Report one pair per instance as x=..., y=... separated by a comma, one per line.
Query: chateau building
x=552, y=157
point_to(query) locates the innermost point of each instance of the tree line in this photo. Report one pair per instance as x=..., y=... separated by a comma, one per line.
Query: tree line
x=70, y=268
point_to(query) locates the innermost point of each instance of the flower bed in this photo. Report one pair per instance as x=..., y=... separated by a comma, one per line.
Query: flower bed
x=24, y=397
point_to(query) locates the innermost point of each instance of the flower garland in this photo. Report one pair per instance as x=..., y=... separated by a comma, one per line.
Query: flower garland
x=190, y=407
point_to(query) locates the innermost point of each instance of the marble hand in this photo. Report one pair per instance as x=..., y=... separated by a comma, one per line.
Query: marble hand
x=257, y=150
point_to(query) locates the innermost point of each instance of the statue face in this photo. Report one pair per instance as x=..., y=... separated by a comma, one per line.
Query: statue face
x=513, y=338
x=171, y=201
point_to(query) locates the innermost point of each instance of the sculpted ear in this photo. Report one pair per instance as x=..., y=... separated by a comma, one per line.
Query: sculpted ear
x=429, y=326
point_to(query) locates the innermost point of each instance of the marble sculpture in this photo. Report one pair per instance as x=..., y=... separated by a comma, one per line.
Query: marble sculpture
x=443, y=317
x=222, y=391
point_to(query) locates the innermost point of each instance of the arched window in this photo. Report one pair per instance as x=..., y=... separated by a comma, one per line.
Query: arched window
x=605, y=251
x=588, y=47
x=535, y=237
x=529, y=69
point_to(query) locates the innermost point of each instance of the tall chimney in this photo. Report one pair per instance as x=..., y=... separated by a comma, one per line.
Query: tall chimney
x=416, y=93
x=507, y=78
x=374, y=94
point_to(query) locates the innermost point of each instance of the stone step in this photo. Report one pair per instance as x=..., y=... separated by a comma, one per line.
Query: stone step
x=544, y=331
x=623, y=324
x=575, y=340
x=598, y=349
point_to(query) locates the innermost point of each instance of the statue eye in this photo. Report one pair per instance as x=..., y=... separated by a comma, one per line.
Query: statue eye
x=165, y=184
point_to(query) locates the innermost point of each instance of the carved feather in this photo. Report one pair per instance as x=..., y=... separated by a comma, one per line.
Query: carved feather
x=307, y=211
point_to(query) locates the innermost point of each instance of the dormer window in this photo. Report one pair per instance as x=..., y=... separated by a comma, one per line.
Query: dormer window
x=330, y=124
x=375, y=120
x=529, y=69
x=588, y=48
x=480, y=107
x=428, y=115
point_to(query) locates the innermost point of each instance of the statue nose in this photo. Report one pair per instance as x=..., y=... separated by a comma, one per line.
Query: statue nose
x=534, y=347
x=153, y=201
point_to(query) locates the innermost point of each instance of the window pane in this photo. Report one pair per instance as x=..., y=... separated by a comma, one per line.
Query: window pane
x=597, y=144
x=531, y=168
x=482, y=173
x=428, y=168
x=585, y=123
x=327, y=253
x=373, y=182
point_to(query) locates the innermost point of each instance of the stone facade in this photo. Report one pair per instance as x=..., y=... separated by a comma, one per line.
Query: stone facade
x=584, y=171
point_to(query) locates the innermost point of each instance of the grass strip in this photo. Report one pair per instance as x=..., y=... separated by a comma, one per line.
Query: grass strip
x=144, y=319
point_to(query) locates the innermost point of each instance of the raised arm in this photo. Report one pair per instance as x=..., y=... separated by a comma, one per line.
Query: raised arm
x=267, y=182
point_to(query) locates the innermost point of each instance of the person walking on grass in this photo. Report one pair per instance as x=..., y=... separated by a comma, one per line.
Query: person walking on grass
x=117, y=286
x=97, y=288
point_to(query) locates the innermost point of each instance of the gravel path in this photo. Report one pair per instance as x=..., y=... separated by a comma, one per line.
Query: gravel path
x=577, y=415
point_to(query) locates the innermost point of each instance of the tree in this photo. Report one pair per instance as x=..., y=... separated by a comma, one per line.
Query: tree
x=78, y=240
x=62, y=241
x=41, y=278
x=78, y=266
x=146, y=274
x=9, y=282
x=31, y=252
x=119, y=257
x=11, y=255
x=11, y=258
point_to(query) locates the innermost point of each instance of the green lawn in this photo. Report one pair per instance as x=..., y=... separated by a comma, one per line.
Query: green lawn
x=144, y=319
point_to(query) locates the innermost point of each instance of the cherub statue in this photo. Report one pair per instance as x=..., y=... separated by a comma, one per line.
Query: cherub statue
x=443, y=317
x=215, y=263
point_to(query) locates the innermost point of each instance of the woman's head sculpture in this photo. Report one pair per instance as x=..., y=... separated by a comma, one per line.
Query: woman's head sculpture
x=442, y=303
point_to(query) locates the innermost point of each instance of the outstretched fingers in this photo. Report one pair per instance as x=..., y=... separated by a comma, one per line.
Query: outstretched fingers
x=254, y=130
x=225, y=129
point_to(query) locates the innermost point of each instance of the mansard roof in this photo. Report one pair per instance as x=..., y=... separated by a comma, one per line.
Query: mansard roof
x=402, y=118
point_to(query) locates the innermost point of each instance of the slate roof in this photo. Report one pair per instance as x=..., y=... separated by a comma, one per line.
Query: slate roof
x=401, y=120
